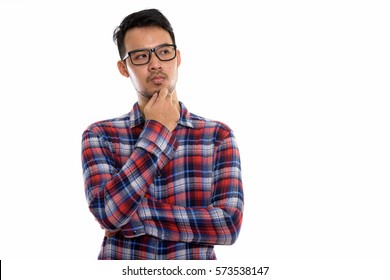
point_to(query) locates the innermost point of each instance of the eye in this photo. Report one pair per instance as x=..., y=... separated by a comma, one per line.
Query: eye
x=139, y=56
x=166, y=51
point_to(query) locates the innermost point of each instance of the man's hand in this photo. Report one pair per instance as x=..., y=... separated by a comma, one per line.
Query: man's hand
x=110, y=233
x=163, y=107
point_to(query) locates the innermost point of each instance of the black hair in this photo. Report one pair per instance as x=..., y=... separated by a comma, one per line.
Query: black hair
x=144, y=18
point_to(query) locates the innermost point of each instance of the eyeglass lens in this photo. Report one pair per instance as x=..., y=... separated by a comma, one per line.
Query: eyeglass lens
x=163, y=53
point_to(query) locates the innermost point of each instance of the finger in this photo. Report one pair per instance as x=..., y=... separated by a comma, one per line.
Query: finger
x=174, y=96
x=110, y=233
x=164, y=93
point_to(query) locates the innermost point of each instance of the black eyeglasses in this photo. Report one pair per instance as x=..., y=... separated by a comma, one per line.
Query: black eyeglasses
x=163, y=52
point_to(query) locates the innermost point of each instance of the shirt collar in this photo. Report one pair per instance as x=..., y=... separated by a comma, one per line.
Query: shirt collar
x=136, y=118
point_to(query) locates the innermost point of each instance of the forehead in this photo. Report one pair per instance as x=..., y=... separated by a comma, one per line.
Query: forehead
x=146, y=37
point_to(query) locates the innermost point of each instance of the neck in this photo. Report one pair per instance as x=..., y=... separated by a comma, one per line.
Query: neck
x=142, y=101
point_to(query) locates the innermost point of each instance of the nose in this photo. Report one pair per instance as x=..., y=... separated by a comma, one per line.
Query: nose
x=154, y=63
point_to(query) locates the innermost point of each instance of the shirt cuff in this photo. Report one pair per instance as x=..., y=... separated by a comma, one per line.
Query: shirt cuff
x=159, y=141
x=134, y=227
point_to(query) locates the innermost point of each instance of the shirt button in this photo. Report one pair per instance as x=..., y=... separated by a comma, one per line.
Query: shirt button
x=158, y=173
x=134, y=232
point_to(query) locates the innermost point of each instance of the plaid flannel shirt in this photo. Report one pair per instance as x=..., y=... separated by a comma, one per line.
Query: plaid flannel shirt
x=172, y=195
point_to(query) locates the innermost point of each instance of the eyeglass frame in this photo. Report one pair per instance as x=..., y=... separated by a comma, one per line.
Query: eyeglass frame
x=153, y=50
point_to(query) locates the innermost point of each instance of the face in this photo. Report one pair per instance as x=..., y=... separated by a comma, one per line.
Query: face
x=149, y=78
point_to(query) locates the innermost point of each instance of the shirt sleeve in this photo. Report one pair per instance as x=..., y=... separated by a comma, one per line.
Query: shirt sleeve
x=219, y=223
x=114, y=194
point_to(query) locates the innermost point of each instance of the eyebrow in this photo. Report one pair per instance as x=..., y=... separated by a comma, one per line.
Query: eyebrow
x=142, y=49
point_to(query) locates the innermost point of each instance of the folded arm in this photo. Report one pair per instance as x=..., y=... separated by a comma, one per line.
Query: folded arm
x=219, y=222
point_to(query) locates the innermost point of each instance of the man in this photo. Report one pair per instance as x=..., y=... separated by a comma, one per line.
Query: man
x=162, y=182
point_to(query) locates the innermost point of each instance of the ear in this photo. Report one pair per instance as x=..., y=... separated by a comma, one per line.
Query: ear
x=178, y=58
x=122, y=67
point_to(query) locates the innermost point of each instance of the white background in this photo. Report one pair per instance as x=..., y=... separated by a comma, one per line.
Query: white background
x=303, y=84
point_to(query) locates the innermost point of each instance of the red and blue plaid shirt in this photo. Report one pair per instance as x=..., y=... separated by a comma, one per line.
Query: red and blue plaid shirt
x=173, y=195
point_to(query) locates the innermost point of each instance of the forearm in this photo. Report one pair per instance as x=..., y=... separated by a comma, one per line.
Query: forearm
x=113, y=202
x=114, y=195
x=219, y=222
x=209, y=225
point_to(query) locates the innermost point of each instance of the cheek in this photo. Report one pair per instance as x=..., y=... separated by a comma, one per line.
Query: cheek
x=172, y=71
x=137, y=77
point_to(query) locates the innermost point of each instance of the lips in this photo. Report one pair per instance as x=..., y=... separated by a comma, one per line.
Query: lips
x=157, y=78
